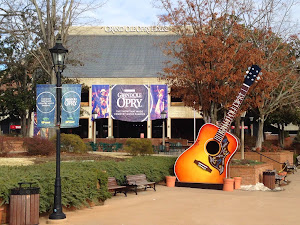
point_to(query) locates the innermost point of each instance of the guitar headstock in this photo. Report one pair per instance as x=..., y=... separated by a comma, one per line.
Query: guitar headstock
x=252, y=74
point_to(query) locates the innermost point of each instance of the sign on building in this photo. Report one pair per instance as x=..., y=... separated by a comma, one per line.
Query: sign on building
x=100, y=101
x=159, y=101
x=130, y=103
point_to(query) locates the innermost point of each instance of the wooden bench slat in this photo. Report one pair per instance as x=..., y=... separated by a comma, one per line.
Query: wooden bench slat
x=113, y=185
x=139, y=180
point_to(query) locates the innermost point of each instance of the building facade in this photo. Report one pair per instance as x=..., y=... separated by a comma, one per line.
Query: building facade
x=125, y=56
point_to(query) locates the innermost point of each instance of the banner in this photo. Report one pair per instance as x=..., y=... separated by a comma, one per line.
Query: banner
x=70, y=105
x=130, y=103
x=100, y=100
x=45, y=105
x=159, y=101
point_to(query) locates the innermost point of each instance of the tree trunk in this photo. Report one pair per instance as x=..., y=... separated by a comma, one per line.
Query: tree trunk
x=237, y=130
x=260, y=134
x=281, y=134
x=213, y=113
x=28, y=124
x=23, y=125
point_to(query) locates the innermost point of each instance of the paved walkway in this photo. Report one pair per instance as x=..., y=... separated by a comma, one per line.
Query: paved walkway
x=191, y=206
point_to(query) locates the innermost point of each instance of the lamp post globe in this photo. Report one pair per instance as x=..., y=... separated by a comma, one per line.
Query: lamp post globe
x=58, y=53
x=163, y=114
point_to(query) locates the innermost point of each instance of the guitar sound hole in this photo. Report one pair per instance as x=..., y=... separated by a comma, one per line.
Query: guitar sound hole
x=212, y=147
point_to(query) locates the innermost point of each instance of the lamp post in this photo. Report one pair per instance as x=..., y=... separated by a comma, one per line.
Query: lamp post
x=163, y=115
x=58, y=53
x=194, y=122
x=243, y=135
x=251, y=125
x=94, y=114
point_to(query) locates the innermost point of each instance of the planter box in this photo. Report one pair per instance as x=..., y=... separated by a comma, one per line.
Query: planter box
x=251, y=174
x=281, y=157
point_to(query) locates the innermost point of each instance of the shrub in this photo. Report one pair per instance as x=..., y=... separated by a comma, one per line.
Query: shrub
x=5, y=145
x=138, y=147
x=72, y=143
x=38, y=146
x=297, y=139
x=78, y=182
x=245, y=162
x=269, y=147
x=79, y=179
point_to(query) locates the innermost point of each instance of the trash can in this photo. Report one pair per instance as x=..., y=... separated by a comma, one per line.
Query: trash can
x=269, y=179
x=24, y=205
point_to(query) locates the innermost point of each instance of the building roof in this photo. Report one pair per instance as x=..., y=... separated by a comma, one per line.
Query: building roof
x=117, y=55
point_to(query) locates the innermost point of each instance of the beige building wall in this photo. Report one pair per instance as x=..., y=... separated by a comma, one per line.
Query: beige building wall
x=175, y=112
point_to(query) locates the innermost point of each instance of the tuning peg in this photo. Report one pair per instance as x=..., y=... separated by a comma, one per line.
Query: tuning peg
x=260, y=73
x=249, y=68
x=247, y=72
x=258, y=78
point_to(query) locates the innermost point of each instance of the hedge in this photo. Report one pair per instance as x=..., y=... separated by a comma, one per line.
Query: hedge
x=79, y=179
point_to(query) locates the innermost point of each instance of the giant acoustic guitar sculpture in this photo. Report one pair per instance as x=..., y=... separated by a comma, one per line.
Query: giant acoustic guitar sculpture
x=207, y=159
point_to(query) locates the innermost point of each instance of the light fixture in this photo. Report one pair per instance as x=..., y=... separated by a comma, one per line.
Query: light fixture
x=58, y=53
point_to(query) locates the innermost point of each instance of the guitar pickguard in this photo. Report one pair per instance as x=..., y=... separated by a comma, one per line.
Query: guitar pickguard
x=218, y=161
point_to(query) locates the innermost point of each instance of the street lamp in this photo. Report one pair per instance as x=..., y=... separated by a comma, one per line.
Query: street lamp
x=251, y=125
x=95, y=115
x=194, y=122
x=243, y=135
x=58, y=53
x=163, y=115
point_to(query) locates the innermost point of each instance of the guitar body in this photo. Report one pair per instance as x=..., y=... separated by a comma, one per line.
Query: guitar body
x=206, y=161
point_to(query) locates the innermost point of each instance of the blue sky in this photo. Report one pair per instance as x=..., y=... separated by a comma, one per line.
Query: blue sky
x=140, y=12
x=127, y=12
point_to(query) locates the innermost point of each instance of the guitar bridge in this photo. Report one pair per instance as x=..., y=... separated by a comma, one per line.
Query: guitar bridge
x=203, y=166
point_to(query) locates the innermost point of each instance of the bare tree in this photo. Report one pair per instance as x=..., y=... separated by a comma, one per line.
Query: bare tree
x=274, y=34
x=35, y=24
x=269, y=30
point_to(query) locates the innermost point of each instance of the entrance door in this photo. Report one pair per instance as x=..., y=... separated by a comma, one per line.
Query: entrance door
x=123, y=129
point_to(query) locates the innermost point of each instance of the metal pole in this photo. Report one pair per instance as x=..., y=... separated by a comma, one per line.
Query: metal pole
x=57, y=207
x=163, y=134
x=194, y=122
x=194, y=125
x=251, y=125
x=243, y=139
x=94, y=136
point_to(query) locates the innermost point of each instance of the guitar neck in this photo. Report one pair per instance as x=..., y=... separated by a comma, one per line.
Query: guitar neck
x=231, y=113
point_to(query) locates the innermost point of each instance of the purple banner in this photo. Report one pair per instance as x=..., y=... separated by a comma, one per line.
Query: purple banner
x=130, y=103
x=100, y=100
x=159, y=101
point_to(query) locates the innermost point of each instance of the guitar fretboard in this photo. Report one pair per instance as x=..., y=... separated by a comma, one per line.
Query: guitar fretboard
x=231, y=114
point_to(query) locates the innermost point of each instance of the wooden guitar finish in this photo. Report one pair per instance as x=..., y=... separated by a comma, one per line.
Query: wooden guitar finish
x=207, y=160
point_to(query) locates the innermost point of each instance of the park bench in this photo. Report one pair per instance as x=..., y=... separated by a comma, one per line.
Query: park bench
x=298, y=160
x=134, y=181
x=112, y=185
x=289, y=167
x=280, y=177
